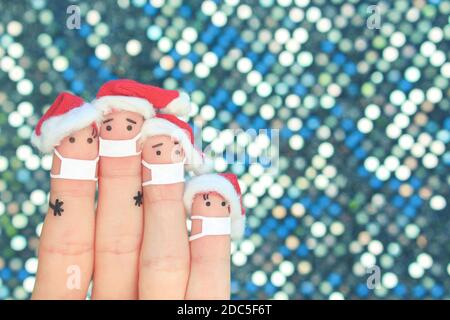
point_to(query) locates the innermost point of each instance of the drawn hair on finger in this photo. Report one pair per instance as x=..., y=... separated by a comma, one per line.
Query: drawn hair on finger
x=57, y=207
x=138, y=199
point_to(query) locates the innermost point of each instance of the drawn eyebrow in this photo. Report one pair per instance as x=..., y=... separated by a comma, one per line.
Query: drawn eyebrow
x=132, y=121
x=157, y=145
x=108, y=120
x=176, y=142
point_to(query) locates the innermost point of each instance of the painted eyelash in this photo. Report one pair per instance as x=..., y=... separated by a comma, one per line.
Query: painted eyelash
x=205, y=196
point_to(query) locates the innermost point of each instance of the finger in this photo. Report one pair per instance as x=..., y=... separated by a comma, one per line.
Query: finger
x=67, y=239
x=164, y=263
x=210, y=255
x=214, y=203
x=119, y=219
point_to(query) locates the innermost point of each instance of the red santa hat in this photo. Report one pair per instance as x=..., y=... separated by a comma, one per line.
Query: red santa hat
x=130, y=95
x=225, y=184
x=67, y=114
x=170, y=125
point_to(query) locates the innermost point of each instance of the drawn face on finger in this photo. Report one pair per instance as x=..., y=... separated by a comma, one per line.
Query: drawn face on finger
x=121, y=125
x=82, y=144
x=162, y=150
x=210, y=204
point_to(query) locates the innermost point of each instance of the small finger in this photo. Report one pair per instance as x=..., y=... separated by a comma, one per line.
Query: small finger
x=214, y=203
x=210, y=254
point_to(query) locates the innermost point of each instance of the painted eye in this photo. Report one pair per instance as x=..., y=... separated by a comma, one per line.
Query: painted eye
x=158, y=153
x=90, y=140
x=208, y=203
x=71, y=139
x=177, y=152
x=129, y=128
x=224, y=203
x=109, y=128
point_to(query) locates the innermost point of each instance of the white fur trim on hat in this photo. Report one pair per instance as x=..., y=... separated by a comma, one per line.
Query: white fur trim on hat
x=106, y=104
x=157, y=126
x=219, y=184
x=179, y=106
x=56, y=128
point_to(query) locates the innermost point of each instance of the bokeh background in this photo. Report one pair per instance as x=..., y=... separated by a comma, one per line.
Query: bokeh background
x=363, y=115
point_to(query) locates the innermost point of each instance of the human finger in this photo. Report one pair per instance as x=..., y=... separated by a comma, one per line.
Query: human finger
x=164, y=264
x=119, y=220
x=67, y=240
x=214, y=205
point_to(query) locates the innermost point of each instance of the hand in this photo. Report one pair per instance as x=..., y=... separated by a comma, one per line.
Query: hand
x=141, y=243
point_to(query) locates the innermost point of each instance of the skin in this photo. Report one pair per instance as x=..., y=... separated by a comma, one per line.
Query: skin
x=164, y=262
x=65, y=251
x=210, y=255
x=119, y=221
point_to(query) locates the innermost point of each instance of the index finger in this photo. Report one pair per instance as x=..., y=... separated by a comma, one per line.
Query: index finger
x=67, y=240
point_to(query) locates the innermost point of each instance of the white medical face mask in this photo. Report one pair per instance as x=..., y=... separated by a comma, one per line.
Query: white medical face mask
x=164, y=173
x=76, y=169
x=212, y=226
x=118, y=148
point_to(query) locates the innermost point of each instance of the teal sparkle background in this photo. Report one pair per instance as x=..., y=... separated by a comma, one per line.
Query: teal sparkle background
x=363, y=115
